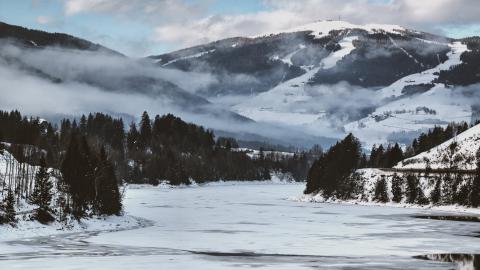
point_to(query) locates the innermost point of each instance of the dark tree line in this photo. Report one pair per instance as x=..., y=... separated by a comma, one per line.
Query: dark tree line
x=383, y=158
x=93, y=154
x=434, y=137
x=167, y=148
x=330, y=173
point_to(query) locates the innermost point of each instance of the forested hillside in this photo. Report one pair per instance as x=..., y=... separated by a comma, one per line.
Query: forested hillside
x=435, y=177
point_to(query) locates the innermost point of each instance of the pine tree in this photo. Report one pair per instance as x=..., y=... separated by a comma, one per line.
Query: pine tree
x=145, y=130
x=421, y=198
x=108, y=198
x=412, y=188
x=42, y=193
x=10, y=212
x=475, y=191
x=397, y=188
x=133, y=138
x=447, y=189
x=381, y=194
x=436, y=194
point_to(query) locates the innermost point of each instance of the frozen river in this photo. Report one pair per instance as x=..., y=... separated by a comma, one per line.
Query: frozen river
x=253, y=226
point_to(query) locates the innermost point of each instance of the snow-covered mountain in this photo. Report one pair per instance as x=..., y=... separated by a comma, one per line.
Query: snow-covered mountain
x=384, y=83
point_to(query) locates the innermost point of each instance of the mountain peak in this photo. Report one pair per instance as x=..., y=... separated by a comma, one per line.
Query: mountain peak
x=323, y=27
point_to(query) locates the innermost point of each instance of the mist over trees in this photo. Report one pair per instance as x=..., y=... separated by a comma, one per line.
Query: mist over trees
x=80, y=163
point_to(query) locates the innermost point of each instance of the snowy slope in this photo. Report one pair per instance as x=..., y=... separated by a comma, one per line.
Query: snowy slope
x=428, y=76
x=406, y=114
x=285, y=103
x=459, y=152
x=410, y=115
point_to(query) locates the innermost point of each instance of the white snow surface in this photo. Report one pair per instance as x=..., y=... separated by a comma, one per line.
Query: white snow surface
x=249, y=226
x=459, y=151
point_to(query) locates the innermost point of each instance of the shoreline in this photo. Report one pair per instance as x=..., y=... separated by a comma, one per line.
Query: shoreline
x=453, y=209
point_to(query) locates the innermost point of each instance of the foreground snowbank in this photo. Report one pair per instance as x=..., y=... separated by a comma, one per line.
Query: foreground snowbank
x=29, y=229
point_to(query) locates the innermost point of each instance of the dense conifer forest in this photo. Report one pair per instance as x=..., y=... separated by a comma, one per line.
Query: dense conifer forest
x=79, y=165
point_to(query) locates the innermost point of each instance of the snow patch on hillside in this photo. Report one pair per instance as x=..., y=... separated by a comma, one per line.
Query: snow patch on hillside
x=427, y=76
x=412, y=114
x=285, y=103
x=187, y=57
x=346, y=47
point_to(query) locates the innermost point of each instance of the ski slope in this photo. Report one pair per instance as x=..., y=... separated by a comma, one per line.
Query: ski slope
x=284, y=104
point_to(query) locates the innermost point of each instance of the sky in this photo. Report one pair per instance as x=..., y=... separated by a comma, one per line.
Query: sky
x=140, y=28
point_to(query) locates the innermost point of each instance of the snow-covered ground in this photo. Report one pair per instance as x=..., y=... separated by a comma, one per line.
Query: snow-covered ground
x=249, y=226
x=459, y=151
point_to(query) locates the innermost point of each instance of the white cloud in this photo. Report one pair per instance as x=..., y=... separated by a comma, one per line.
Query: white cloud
x=44, y=20
x=426, y=15
x=153, y=11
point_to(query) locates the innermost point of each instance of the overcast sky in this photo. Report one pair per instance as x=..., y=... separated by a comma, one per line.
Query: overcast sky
x=145, y=27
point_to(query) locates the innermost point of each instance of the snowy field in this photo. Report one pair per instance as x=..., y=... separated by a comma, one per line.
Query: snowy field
x=245, y=226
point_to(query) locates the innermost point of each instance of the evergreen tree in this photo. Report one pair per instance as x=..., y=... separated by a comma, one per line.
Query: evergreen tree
x=77, y=174
x=412, y=188
x=421, y=198
x=108, y=198
x=9, y=206
x=133, y=138
x=42, y=193
x=393, y=156
x=448, y=193
x=381, y=194
x=397, y=188
x=145, y=130
x=330, y=173
x=436, y=194
x=475, y=191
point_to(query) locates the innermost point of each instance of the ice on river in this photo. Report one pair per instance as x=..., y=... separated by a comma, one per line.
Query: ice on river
x=249, y=225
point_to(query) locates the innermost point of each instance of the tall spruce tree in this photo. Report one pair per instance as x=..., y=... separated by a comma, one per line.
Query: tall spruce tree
x=475, y=191
x=42, y=193
x=397, y=188
x=10, y=212
x=381, y=194
x=108, y=198
x=145, y=130
x=436, y=194
x=412, y=188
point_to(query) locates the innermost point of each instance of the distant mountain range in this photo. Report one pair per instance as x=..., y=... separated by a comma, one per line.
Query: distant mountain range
x=384, y=83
